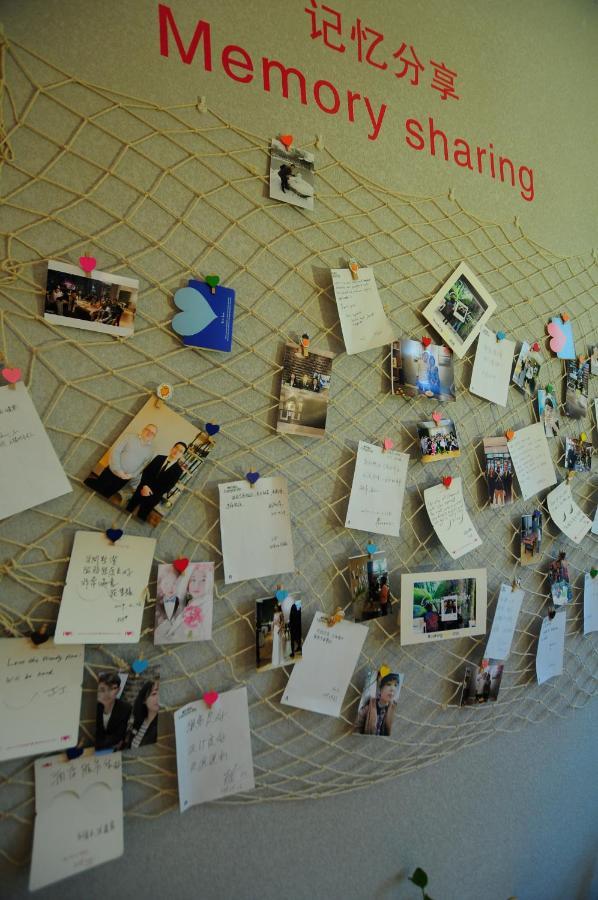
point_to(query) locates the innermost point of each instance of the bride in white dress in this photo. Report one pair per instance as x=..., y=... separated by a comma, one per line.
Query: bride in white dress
x=278, y=638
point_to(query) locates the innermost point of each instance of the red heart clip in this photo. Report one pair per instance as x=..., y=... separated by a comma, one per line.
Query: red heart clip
x=447, y=481
x=11, y=375
x=210, y=698
x=87, y=263
x=181, y=564
x=286, y=139
x=536, y=347
x=426, y=341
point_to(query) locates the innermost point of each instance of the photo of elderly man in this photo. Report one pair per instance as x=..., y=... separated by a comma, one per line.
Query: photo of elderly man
x=128, y=458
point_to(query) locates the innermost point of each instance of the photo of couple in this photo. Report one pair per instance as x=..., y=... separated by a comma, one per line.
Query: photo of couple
x=378, y=703
x=278, y=635
x=127, y=710
x=184, y=603
x=499, y=471
x=418, y=371
x=105, y=303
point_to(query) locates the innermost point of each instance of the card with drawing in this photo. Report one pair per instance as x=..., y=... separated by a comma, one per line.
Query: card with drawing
x=419, y=370
x=291, y=175
x=499, y=472
x=278, y=632
x=370, y=586
x=207, y=314
x=566, y=514
x=378, y=703
x=304, y=391
x=460, y=309
x=561, y=333
x=440, y=605
x=184, y=603
x=127, y=709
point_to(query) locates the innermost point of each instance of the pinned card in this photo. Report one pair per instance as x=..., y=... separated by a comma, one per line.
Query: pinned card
x=184, y=603
x=450, y=520
x=104, y=593
x=551, y=646
x=590, y=603
x=207, y=315
x=532, y=460
x=492, y=368
x=213, y=749
x=304, y=391
x=595, y=522
x=566, y=514
x=363, y=321
x=504, y=622
x=460, y=309
x=291, y=173
x=30, y=472
x=376, y=500
x=561, y=337
x=40, y=697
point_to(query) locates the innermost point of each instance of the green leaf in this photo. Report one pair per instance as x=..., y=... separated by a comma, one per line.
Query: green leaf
x=419, y=878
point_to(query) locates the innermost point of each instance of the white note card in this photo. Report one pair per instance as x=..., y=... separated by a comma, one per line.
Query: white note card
x=504, y=622
x=451, y=521
x=255, y=527
x=213, y=749
x=376, y=500
x=30, y=471
x=79, y=815
x=551, y=646
x=590, y=603
x=104, y=593
x=531, y=457
x=330, y=654
x=595, y=522
x=492, y=368
x=363, y=321
x=566, y=514
x=40, y=697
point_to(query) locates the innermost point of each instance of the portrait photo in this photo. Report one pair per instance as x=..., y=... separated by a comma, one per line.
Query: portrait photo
x=527, y=370
x=184, y=603
x=418, y=371
x=438, y=440
x=370, y=587
x=548, y=412
x=559, y=581
x=304, y=391
x=594, y=360
x=100, y=302
x=530, y=538
x=278, y=631
x=499, y=471
x=578, y=455
x=481, y=683
x=438, y=605
x=291, y=175
x=460, y=309
x=378, y=702
x=576, y=391
x=127, y=709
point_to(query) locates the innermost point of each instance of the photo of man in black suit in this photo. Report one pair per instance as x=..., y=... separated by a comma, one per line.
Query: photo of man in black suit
x=159, y=476
x=112, y=715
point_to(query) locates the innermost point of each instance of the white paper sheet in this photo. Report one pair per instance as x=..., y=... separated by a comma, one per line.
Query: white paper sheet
x=363, y=321
x=566, y=514
x=104, y=593
x=450, y=519
x=376, y=500
x=319, y=682
x=492, y=368
x=595, y=522
x=531, y=457
x=590, y=603
x=255, y=526
x=79, y=820
x=504, y=622
x=30, y=472
x=40, y=697
x=213, y=749
x=551, y=647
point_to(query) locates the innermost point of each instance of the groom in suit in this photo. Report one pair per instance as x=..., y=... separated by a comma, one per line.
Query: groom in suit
x=159, y=476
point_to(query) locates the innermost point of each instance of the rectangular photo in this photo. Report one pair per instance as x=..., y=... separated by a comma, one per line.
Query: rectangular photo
x=304, y=391
x=481, y=683
x=527, y=370
x=127, y=709
x=418, y=371
x=499, y=471
x=147, y=468
x=576, y=392
x=184, y=603
x=278, y=633
x=559, y=581
x=438, y=441
x=378, y=703
x=530, y=538
x=594, y=360
x=369, y=584
x=291, y=175
x=460, y=309
x=578, y=455
x=100, y=302
x=548, y=412
x=440, y=605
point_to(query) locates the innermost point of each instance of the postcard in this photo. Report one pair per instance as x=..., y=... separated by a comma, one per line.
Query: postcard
x=576, y=391
x=481, y=683
x=532, y=460
x=566, y=514
x=363, y=321
x=504, y=622
x=422, y=371
x=330, y=655
x=213, y=749
x=450, y=520
x=499, y=472
x=578, y=455
x=291, y=175
x=551, y=646
x=438, y=440
x=40, y=697
x=184, y=603
x=590, y=603
x=278, y=633
x=206, y=317
x=527, y=370
x=370, y=587
x=548, y=412
x=561, y=333
x=30, y=471
x=440, y=605
x=460, y=309
x=378, y=703
x=100, y=302
x=530, y=538
x=79, y=816
x=304, y=391
x=492, y=368
x=376, y=501
x=127, y=709
x=559, y=581
x=104, y=592
x=255, y=527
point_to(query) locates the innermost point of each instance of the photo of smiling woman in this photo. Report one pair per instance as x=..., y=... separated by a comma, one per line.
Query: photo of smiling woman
x=143, y=724
x=378, y=703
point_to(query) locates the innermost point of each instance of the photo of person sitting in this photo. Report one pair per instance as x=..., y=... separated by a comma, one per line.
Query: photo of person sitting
x=378, y=704
x=143, y=727
x=112, y=714
x=158, y=477
x=128, y=458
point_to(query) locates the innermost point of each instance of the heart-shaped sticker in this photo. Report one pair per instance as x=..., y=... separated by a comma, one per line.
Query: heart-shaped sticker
x=371, y=548
x=536, y=347
x=196, y=313
x=67, y=633
x=181, y=564
x=426, y=341
x=74, y=752
x=210, y=698
x=558, y=337
x=213, y=280
x=114, y=534
x=388, y=443
x=212, y=429
x=593, y=573
x=500, y=335
x=139, y=666
x=286, y=139
x=281, y=595
x=252, y=477
x=510, y=434
x=87, y=263
x=11, y=375
x=436, y=416
x=447, y=481
x=384, y=671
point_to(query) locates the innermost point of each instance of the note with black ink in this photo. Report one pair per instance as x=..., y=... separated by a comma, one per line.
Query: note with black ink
x=551, y=646
x=213, y=749
x=376, y=500
x=363, y=321
x=566, y=514
x=590, y=603
x=504, y=622
x=531, y=457
x=492, y=368
x=450, y=519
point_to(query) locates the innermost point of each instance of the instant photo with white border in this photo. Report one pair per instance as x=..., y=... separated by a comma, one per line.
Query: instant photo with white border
x=413, y=627
x=448, y=322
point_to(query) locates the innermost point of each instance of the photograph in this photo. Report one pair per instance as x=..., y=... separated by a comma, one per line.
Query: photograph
x=378, y=702
x=291, y=175
x=418, y=371
x=499, y=471
x=558, y=579
x=127, y=709
x=369, y=584
x=184, y=603
x=594, y=360
x=481, y=683
x=438, y=605
x=576, y=395
x=530, y=538
x=304, y=391
x=460, y=309
x=147, y=467
x=527, y=370
x=278, y=633
x=578, y=455
x=548, y=412
x=438, y=441
x=100, y=302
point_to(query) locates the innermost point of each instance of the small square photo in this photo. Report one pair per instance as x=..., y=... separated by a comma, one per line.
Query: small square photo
x=291, y=175
x=278, y=632
x=578, y=455
x=527, y=370
x=530, y=546
x=103, y=302
x=481, y=683
x=378, y=703
x=460, y=309
x=418, y=371
x=304, y=391
x=499, y=471
x=370, y=589
x=438, y=441
x=184, y=603
x=127, y=709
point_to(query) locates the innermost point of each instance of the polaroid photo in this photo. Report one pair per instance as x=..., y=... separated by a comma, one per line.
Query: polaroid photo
x=576, y=391
x=578, y=455
x=481, y=683
x=548, y=412
x=378, y=703
x=441, y=605
x=438, y=441
x=527, y=370
x=304, y=391
x=147, y=468
x=530, y=538
x=103, y=302
x=291, y=175
x=594, y=360
x=369, y=584
x=278, y=634
x=499, y=471
x=418, y=371
x=184, y=603
x=460, y=309
x=127, y=710
x=559, y=581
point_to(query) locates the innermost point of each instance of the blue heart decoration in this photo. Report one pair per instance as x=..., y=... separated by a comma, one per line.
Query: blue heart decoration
x=252, y=477
x=500, y=335
x=196, y=313
x=371, y=548
x=281, y=595
x=114, y=534
x=139, y=666
x=74, y=752
x=212, y=429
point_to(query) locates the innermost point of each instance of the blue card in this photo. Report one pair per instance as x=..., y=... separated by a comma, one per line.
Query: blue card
x=206, y=318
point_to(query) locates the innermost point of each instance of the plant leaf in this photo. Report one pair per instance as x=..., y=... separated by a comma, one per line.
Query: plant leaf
x=419, y=878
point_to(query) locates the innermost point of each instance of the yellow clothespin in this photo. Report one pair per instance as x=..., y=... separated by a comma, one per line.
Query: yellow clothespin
x=305, y=344
x=336, y=617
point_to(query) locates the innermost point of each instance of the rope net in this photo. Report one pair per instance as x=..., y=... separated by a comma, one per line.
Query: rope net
x=165, y=194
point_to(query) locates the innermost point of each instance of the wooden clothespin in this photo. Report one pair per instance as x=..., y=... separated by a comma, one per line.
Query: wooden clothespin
x=114, y=534
x=305, y=345
x=515, y=584
x=140, y=664
x=75, y=752
x=11, y=374
x=500, y=335
x=371, y=548
x=88, y=263
x=354, y=267
x=212, y=281
x=41, y=635
x=164, y=391
x=336, y=617
x=387, y=444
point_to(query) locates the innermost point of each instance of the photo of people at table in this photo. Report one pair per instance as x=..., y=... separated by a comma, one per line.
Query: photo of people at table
x=103, y=302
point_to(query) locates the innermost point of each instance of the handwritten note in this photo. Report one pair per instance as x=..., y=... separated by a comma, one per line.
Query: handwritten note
x=551, y=647
x=362, y=317
x=320, y=680
x=30, y=472
x=492, y=368
x=376, y=500
x=213, y=749
x=40, y=697
x=505, y=620
x=255, y=526
x=590, y=603
x=451, y=522
x=531, y=457
x=79, y=815
x=104, y=593
x=566, y=514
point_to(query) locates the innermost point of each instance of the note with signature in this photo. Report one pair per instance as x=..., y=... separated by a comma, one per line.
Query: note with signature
x=590, y=603
x=551, y=646
x=376, y=500
x=531, y=457
x=363, y=321
x=504, y=622
x=451, y=522
x=492, y=368
x=566, y=514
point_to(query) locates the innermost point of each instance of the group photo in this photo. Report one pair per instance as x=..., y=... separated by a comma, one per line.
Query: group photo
x=438, y=440
x=105, y=303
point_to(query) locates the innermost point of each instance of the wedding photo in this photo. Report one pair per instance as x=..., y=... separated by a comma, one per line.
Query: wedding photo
x=499, y=471
x=418, y=371
x=102, y=302
x=304, y=391
x=184, y=603
x=438, y=605
x=438, y=440
x=278, y=632
x=370, y=589
x=378, y=703
x=291, y=175
x=481, y=683
x=127, y=710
